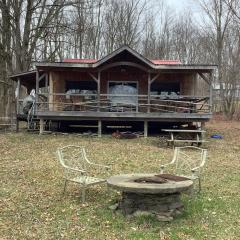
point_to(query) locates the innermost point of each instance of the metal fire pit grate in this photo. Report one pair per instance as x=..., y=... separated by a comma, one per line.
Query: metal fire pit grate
x=162, y=178
x=154, y=179
x=173, y=177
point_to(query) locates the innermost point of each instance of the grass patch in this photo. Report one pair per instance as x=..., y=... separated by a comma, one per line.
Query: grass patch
x=32, y=205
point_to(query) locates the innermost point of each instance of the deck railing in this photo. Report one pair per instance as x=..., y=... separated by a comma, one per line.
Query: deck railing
x=121, y=103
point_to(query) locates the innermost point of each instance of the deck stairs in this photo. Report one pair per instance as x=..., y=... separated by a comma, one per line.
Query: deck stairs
x=32, y=121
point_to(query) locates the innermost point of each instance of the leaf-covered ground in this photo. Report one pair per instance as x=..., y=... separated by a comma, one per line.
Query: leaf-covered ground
x=32, y=205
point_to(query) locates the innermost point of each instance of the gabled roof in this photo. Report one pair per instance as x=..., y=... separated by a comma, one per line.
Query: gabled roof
x=121, y=50
x=118, y=56
x=128, y=53
x=155, y=61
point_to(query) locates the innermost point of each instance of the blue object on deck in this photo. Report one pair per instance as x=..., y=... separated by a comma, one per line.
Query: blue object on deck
x=217, y=136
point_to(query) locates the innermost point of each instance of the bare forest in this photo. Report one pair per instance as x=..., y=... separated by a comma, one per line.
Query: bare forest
x=51, y=30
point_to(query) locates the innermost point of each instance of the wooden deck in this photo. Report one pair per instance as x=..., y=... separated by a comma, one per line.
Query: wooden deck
x=115, y=116
x=79, y=107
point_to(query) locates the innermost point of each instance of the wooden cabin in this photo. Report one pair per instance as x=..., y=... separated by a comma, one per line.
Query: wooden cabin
x=122, y=87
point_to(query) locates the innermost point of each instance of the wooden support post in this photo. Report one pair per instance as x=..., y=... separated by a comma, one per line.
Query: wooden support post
x=41, y=127
x=18, y=94
x=211, y=92
x=37, y=90
x=17, y=103
x=203, y=135
x=46, y=80
x=17, y=125
x=150, y=81
x=145, y=128
x=46, y=85
x=149, y=92
x=99, y=90
x=99, y=128
x=210, y=82
x=202, y=125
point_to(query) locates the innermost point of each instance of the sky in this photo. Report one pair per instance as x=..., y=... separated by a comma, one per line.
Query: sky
x=180, y=5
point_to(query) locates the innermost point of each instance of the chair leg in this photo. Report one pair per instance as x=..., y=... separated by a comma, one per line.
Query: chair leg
x=199, y=185
x=191, y=192
x=83, y=194
x=108, y=190
x=65, y=186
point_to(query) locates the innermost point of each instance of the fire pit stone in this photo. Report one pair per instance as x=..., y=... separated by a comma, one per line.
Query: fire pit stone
x=160, y=199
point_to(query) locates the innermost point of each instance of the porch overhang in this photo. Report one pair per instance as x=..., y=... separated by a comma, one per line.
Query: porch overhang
x=187, y=67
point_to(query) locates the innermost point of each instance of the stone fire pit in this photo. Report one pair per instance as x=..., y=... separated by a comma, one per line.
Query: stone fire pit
x=150, y=194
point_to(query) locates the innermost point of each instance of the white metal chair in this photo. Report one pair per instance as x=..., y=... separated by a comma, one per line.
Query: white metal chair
x=189, y=162
x=77, y=168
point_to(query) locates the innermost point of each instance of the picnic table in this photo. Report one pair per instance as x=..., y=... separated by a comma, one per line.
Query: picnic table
x=197, y=136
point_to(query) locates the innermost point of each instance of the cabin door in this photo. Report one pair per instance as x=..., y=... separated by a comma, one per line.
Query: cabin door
x=124, y=92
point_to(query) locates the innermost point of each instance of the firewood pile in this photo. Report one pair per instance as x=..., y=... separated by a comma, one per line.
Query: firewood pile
x=127, y=135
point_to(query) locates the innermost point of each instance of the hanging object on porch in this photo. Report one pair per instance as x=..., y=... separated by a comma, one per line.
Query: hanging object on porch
x=27, y=103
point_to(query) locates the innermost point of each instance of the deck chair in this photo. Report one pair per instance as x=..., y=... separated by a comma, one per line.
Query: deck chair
x=188, y=162
x=78, y=169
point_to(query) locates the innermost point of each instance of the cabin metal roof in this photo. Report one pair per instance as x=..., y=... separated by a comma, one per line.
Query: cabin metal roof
x=152, y=64
x=95, y=64
x=77, y=60
x=154, y=61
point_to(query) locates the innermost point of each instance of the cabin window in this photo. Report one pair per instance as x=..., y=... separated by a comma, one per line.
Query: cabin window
x=81, y=85
x=87, y=88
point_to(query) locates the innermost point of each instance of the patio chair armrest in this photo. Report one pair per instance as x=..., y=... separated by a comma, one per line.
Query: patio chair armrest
x=193, y=170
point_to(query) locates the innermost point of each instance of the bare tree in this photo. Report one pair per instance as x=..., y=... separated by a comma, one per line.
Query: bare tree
x=234, y=6
x=123, y=23
x=231, y=73
x=5, y=56
x=220, y=16
x=51, y=30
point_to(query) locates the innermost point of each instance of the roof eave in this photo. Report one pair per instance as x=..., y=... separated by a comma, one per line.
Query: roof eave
x=186, y=67
x=66, y=65
x=21, y=74
x=93, y=65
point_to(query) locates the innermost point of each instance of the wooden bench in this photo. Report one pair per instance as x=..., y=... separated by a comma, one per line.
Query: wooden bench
x=198, y=136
